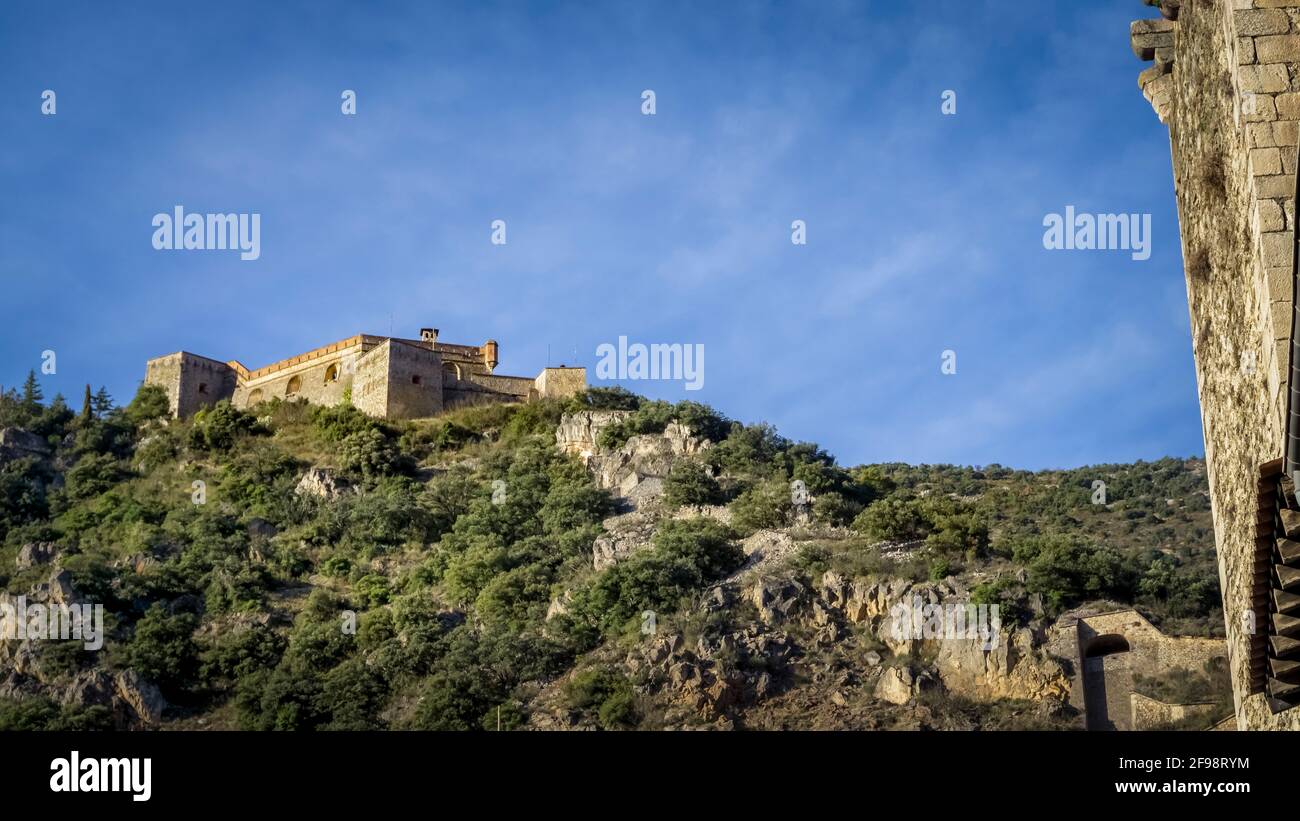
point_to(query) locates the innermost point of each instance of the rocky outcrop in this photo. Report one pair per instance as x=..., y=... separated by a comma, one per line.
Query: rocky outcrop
x=322, y=483
x=636, y=469
x=720, y=674
x=624, y=535
x=579, y=433
x=134, y=702
x=34, y=553
x=899, y=685
x=16, y=443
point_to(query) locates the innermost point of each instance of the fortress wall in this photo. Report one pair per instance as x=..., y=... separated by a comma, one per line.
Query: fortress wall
x=310, y=374
x=561, y=382
x=192, y=382
x=370, y=381
x=414, y=382
x=1227, y=83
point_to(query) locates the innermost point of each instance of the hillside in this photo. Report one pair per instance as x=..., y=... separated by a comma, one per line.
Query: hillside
x=304, y=568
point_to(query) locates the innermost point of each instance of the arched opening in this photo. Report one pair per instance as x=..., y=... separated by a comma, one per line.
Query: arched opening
x=451, y=369
x=1105, y=646
x=295, y=385
x=1106, y=682
x=332, y=373
x=255, y=396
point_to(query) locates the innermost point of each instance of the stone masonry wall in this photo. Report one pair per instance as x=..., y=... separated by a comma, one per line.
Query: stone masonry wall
x=192, y=382
x=1226, y=81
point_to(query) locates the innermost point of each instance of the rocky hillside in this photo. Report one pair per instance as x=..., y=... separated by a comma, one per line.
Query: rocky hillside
x=606, y=562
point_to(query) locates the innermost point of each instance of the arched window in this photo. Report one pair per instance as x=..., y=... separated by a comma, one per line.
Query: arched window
x=295, y=385
x=332, y=373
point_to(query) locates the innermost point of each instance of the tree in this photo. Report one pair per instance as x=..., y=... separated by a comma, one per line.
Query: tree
x=101, y=403
x=32, y=395
x=87, y=412
x=150, y=402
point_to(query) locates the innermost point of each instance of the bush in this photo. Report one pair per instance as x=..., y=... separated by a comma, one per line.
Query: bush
x=766, y=505
x=607, y=694
x=690, y=483
x=893, y=520
x=368, y=453
x=218, y=428
x=163, y=649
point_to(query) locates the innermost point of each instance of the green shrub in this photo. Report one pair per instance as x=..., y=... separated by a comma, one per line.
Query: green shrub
x=690, y=483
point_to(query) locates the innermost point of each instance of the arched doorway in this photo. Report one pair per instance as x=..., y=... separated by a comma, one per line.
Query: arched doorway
x=1106, y=682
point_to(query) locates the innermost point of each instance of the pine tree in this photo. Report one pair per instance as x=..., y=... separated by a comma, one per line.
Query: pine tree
x=32, y=395
x=86, y=412
x=102, y=402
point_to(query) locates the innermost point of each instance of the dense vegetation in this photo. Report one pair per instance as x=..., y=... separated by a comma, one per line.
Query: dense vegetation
x=421, y=599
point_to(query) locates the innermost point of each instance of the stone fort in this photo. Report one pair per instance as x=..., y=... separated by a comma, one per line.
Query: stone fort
x=385, y=377
x=1225, y=79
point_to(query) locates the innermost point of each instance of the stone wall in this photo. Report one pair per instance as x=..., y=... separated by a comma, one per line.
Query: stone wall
x=1148, y=713
x=1227, y=83
x=557, y=383
x=192, y=382
x=323, y=379
x=1080, y=633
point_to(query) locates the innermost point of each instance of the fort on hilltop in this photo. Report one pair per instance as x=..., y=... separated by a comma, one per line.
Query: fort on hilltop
x=386, y=377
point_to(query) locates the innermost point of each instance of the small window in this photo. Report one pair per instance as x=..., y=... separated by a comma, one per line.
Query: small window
x=415, y=379
x=203, y=388
x=295, y=385
x=332, y=374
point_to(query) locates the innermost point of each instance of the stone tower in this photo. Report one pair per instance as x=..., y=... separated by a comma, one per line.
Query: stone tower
x=1225, y=79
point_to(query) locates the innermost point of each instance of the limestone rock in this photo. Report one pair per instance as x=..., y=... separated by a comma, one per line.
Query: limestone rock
x=16, y=443
x=34, y=553
x=322, y=483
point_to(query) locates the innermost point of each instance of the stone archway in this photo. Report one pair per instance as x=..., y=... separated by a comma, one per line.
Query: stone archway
x=1107, y=682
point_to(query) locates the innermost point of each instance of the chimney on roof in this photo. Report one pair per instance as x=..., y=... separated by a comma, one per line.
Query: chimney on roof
x=429, y=335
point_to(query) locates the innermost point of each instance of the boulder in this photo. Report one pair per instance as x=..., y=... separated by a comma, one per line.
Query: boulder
x=34, y=553
x=322, y=483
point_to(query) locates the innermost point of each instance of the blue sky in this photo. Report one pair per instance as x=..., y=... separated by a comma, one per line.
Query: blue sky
x=924, y=230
